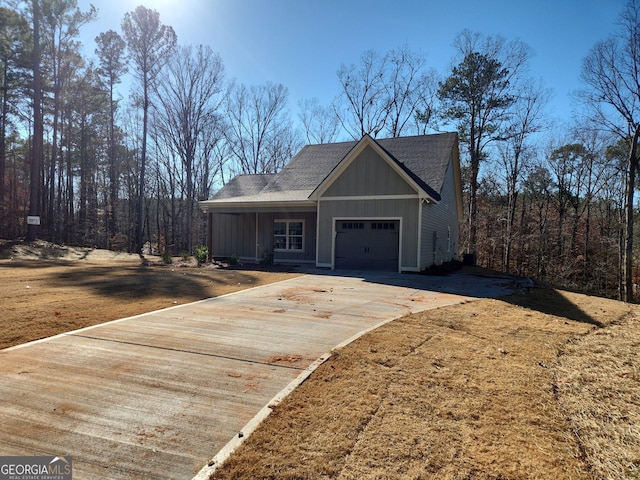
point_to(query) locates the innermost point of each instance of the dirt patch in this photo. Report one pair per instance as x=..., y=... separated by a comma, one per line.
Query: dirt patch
x=49, y=289
x=284, y=359
x=302, y=295
x=462, y=392
x=42, y=250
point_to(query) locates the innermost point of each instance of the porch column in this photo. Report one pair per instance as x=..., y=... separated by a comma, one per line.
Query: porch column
x=210, y=235
x=257, y=237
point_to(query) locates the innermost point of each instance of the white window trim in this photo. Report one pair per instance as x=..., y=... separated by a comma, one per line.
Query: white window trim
x=288, y=221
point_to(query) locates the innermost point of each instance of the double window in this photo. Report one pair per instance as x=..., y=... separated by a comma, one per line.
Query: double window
x=288, y=235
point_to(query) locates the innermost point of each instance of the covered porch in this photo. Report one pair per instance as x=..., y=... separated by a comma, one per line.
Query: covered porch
x=267, y=235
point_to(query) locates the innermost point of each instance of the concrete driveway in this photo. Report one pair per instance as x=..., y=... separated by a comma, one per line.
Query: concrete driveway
x=158, y=395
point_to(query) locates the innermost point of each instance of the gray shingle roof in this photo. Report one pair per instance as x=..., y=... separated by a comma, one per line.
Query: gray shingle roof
x=243, y=186
x=310, y=166
x=423, y=157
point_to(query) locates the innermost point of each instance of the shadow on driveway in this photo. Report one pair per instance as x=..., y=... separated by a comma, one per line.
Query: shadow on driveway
x=477, y=283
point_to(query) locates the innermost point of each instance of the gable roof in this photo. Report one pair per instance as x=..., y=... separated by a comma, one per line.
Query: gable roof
x=422, y=158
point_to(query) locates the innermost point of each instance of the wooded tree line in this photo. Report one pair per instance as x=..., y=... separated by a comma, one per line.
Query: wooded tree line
x=123, y=164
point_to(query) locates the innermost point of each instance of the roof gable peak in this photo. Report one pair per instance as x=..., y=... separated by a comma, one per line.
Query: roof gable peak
x=359, y=147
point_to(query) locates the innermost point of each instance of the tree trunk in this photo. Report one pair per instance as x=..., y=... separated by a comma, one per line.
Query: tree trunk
x=113, y=175
x=70, y=220
x=50, y=223
x=84, y=183
x=3, y=146
x=36, y=151
x=143, y=161
x=588, y=274
x=632, y=165
x=189, y=233
x=511, y=214
x=473, y=193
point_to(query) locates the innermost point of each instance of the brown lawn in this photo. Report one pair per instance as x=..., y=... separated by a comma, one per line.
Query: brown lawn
x=48, y=290
x=536, y=385
x=526, y=387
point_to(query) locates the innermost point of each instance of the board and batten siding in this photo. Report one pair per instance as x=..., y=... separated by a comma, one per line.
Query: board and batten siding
x=368, y=175
x=369, y=188
x=440, y=229
x=235, y=234
x=405, y=210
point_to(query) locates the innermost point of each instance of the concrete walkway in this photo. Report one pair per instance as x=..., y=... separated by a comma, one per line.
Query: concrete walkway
x=158, y=395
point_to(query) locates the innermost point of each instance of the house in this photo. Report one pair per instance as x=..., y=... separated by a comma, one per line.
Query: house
x=390, y=204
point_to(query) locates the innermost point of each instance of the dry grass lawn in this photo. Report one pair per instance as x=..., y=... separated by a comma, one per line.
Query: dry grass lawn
x=598, y=386
x=48, y=290
x=465, y=392
x=539, y=385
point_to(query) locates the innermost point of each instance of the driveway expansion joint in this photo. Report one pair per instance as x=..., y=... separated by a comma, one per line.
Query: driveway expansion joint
x=191, y=352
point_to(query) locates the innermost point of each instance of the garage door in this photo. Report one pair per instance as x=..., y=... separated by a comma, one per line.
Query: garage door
x=367, y=245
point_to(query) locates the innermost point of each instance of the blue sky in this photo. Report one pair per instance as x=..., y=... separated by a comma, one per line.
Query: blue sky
x=301, y=44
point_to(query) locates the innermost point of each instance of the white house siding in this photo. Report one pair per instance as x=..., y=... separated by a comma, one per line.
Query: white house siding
x=440, y=221
x=384, y=208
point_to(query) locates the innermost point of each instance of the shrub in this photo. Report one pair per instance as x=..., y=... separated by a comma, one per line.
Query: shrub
x=267, y=258
x=185, y=256
x=167, y=258
x=234, y=259
x=201, y=254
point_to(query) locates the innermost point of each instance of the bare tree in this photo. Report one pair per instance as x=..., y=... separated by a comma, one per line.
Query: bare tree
x=611, y=72
x=259, y=133
x=390, y=94
x=524, y=121
x=363, y=105
x=597, y=177
x=410, y=90
x=149, y=43
x=566, y=164
x=320, y=123
x=425, y=114
x=190, y=98
x=90, y=105
x=537, y=187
